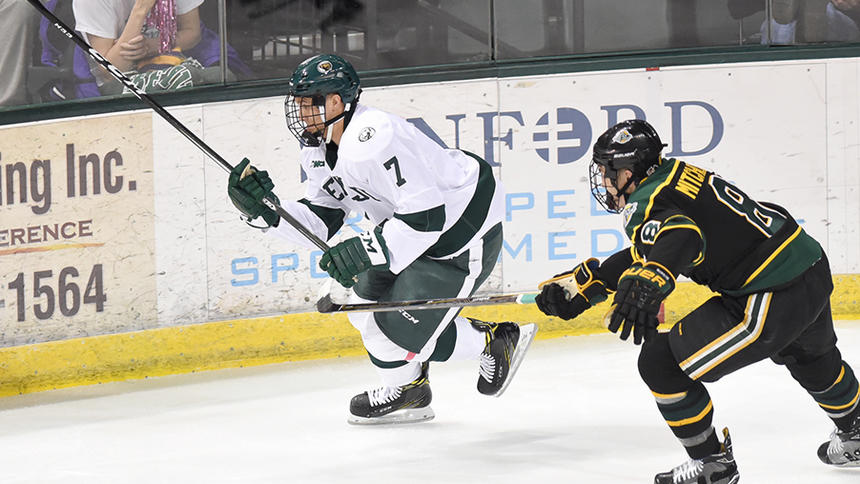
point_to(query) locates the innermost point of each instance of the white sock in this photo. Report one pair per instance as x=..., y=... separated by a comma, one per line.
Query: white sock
x=395, y=377
x=470, y=341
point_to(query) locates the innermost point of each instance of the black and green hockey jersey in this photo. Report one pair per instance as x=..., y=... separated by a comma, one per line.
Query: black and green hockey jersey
x=727, y=241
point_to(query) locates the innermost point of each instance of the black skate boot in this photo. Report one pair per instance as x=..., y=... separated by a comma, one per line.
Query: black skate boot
x=843, y=448
x=713, y=469
x=507, y=344
x=386, y=405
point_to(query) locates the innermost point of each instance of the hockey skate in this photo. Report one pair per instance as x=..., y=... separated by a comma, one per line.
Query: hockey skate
x=843, y=448
x=393, y=405
x=507, y=344
x=713, y=469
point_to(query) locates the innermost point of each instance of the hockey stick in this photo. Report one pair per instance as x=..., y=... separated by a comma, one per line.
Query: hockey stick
x=269, y=201
x=326, y=305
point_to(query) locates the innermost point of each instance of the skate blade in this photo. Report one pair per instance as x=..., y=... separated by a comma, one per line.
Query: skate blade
x=527, y=335
x=407, y=416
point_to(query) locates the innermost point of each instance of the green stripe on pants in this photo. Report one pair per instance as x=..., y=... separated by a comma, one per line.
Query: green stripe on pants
x=428, y=278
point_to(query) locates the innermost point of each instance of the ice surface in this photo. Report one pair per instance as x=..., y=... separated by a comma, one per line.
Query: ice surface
x=576, y=413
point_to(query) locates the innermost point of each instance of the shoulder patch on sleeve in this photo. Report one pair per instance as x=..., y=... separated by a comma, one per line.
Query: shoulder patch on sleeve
x=628, y=211
x=366, y=133
x=367, y=136
x=648, y=232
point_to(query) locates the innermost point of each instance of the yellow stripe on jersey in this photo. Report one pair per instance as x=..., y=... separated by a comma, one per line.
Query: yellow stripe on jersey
x=693, y=227
x=658, y=189
x=652, y=197
x=637, y=257
x=699, y=258
x=690, y=226
x=772, y=256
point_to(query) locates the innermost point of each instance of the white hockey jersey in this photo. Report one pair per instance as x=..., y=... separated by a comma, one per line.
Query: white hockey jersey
x=434, y=201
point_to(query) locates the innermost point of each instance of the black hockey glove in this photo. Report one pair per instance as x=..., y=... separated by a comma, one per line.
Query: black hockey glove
x=247, y=187
x=570, y=293
x=641, y=291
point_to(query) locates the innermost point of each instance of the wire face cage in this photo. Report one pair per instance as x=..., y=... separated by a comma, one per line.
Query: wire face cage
x=298, y=125
x=598, y=190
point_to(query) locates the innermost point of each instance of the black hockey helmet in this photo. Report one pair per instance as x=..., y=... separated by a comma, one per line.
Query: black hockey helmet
x=629, y=145
x=315, y=78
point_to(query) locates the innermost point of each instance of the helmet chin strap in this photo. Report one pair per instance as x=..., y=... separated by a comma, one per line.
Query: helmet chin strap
x=329, y=124
x=622, y=191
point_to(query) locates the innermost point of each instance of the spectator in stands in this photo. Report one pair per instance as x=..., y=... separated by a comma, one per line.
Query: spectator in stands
x=18, y=24
x=798, y=21
x=161, y=43
x=850, y=8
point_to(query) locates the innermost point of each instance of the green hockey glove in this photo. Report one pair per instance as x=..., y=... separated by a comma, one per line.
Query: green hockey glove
x=641, y=291
x=570, y=293
x=247, y=187
x=355, y=255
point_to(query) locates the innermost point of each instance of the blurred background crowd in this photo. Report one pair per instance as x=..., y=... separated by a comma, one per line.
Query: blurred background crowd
x=176, y=44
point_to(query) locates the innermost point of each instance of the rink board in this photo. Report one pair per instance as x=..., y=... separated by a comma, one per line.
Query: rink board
x=291, y=337
x=122, y=257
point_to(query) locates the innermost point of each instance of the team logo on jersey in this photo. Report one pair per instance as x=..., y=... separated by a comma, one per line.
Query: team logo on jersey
x=317, y=164
x=628, y=211
x=324, y=67
x=366, y=134
x=622, y=137
x=648, y=232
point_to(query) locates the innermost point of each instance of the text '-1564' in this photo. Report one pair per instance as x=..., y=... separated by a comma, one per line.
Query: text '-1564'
x=62, y=292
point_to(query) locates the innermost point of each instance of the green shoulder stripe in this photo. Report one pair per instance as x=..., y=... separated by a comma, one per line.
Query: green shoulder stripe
x=426, y=221
x=331, y=217
x=456, y=237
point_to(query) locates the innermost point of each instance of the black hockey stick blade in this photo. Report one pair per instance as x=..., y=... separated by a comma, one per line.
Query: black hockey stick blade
x=128, y=83
x=326, y=305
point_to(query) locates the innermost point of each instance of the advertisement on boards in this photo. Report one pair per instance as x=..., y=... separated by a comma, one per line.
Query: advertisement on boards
x=76, y=229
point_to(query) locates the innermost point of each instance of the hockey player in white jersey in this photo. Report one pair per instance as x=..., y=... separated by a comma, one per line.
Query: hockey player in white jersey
x=438, y=233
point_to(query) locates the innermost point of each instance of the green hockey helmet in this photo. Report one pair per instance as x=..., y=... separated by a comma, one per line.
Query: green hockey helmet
x=315, y=78
x=629, y=145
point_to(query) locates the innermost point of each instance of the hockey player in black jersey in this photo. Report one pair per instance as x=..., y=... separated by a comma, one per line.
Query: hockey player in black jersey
x=773, y=283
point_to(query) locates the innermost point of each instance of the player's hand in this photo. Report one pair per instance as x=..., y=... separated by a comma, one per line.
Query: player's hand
x=247, y=188
x=348, y=259
x=641, y=291
x=570, y=293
